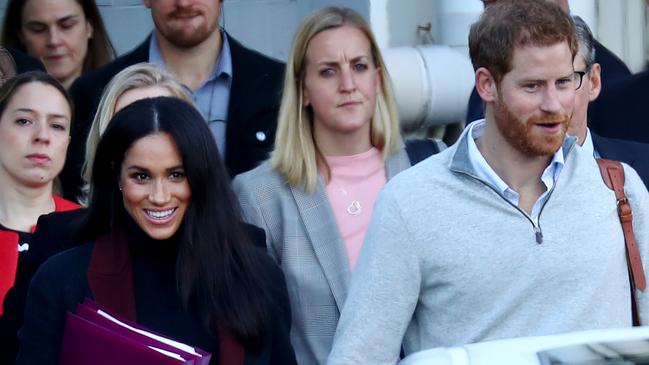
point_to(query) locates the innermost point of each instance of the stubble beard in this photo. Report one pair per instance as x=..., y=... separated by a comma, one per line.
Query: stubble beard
x=523, y=136
x=182, y=40
x=185, y=38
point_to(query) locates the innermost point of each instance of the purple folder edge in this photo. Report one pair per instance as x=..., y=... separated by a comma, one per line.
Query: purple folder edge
x=88, y=311
x=85, y=342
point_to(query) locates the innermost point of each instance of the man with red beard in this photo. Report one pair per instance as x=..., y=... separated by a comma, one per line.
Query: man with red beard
x=615, y=68
x=509, y=232
x=236, y=89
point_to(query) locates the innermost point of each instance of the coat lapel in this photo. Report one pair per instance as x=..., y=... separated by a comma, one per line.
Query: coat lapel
x=397, y=162
x=323, y=232
x=324, y=235
x=110, y=274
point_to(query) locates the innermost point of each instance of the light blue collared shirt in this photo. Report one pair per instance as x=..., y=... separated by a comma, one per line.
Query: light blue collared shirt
x=488, y=175
x=213, y=96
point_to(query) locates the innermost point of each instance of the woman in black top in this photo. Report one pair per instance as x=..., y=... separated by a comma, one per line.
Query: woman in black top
x=35, y=114
x=166, y=247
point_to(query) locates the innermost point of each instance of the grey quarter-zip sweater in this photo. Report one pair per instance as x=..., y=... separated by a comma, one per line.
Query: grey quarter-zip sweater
x=448, y=261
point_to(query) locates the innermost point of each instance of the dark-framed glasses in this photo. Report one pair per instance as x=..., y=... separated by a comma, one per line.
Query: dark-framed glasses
x=579, y=78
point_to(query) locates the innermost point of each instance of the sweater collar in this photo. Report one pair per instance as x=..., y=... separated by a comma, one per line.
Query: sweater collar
x=460, y=161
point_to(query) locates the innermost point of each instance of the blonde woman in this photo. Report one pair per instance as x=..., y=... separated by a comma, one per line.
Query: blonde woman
x=142, y=80
x=337, y=144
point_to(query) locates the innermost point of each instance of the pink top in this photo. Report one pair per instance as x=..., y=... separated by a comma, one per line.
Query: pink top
x=355, y=183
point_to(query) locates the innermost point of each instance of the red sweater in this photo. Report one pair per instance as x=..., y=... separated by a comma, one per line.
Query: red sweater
x=9, y=249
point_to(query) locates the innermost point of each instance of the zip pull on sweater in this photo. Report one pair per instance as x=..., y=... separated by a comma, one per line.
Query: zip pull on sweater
x=538, y=234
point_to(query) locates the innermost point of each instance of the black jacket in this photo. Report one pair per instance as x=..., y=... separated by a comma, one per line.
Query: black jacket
x=25, y=62
x=622, y=109
x=62, y=282
x=255, y=95
x=51, y=236
x=632, y=153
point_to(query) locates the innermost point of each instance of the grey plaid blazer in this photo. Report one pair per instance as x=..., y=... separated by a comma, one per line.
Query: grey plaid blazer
x=302, y=235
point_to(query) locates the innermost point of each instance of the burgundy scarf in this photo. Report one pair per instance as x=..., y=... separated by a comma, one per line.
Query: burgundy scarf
x=110, y=277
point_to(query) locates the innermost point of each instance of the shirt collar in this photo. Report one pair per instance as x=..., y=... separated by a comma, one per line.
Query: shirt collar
x=224, y=64
x=155, y=56
x=588, y=147
x=483, y=171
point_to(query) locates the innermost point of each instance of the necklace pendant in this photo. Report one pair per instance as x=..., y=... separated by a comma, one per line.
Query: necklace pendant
x=355, y=208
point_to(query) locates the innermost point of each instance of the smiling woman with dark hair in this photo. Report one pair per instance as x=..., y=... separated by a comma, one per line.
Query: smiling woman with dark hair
x=163, y=220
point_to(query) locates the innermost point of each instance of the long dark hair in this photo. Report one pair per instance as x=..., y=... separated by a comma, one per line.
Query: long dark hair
x=100, y=48
x=11, y=86
x=216, y=271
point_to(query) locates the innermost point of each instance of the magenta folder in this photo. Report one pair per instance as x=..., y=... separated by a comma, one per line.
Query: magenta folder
x=95, y=336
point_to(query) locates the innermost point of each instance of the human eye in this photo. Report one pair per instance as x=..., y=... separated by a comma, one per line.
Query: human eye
x=139, y=177
x=59, y=126
x=360, y=66
x=565, y=82
x=177, y=175
x=68, y=24
x=327, y=72
x=23, y=121
x=531, y=87
x=36, y=28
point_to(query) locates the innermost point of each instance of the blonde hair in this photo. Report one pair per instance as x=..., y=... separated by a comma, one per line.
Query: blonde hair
x=296, y=155
x=140, y=75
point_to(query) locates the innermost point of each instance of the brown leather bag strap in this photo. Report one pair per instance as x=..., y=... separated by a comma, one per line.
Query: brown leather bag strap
x=613, y=176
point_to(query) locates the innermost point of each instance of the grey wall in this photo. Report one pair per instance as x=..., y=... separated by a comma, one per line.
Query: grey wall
x=128, y=22
x=266, y=25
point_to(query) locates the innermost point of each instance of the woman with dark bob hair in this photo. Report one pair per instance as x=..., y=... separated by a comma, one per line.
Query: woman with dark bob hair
x=164, y=226
x=68, y=36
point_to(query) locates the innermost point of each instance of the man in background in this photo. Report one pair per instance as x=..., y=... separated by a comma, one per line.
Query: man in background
x=633, y=153
x=236, y=89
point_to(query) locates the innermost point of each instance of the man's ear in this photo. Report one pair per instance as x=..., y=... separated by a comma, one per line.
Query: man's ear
x=485, y=85
x=595, y=78
x=147, y=3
